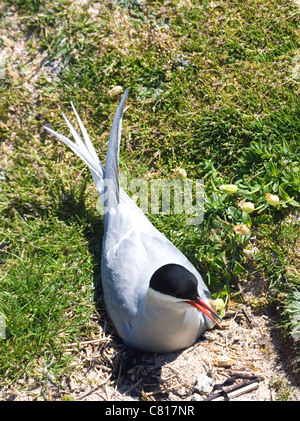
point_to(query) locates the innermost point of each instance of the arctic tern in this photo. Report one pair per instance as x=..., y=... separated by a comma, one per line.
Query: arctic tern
x=153, y=294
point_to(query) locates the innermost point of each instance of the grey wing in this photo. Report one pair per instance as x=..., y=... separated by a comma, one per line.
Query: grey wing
x=124, y=282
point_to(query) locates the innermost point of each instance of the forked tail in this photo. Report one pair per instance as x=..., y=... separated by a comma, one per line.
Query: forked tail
x=106, y=180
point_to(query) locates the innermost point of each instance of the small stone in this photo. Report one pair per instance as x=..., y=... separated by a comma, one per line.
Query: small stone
x=204, y=384
x=263, y=340
x=209, y=336
x=196, y=397
x=224, y=361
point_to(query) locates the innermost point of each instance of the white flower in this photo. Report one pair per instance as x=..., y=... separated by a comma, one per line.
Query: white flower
x=247, y=207
x=272, y=199
x=179, y=173
x=217, y=305
x=251, y=250
x=115, y=91
x=241, y=229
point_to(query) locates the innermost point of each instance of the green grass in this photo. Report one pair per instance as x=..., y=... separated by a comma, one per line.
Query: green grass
x=212, y=90
x=49, y=247
x=47, y=294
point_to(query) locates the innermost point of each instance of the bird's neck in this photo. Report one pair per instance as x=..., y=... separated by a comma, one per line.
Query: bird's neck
x=161, y=310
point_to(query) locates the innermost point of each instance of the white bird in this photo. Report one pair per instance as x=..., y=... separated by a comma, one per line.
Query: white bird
x=154, y=296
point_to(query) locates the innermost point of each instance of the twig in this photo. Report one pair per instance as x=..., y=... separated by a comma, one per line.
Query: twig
x=164, y=389
x=238, y=392
x=249, y=320
x=244, y=375
x=133, y=386
x=234, y=391
x=119, y=375
x=234, y=280
x=94, y=341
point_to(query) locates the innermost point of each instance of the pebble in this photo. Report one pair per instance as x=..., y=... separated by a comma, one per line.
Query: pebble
x=204, y=384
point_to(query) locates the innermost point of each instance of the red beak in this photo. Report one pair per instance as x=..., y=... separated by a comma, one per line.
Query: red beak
x=202, y=306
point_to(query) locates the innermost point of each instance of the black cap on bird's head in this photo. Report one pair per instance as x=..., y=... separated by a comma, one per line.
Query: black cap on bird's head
x=176, y=281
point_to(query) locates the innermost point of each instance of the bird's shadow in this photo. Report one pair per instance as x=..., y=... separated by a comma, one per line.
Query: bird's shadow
x=140, y=375
x=135, y=373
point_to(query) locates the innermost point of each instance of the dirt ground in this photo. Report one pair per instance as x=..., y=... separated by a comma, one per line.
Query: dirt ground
x=248, y=348
x=246, y=345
